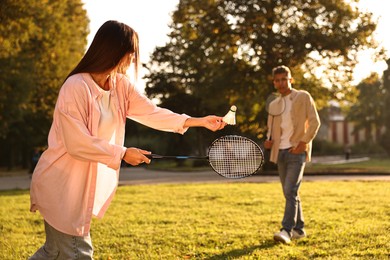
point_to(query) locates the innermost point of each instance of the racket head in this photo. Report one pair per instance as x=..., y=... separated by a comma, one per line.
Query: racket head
x=235, y=157
x=275, y=104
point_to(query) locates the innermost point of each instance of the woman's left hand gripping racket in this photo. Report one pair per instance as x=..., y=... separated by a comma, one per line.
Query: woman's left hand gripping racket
x=230, y=156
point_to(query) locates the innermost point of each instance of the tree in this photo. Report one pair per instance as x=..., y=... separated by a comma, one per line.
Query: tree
x=368, y=110
x=371, y=110
x=222, y=52
x=385, y=139
x=41, y=42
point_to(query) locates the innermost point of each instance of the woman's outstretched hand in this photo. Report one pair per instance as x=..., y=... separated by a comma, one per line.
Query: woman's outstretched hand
x=213, y=123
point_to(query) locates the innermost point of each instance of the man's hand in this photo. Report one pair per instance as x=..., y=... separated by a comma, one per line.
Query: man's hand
x=268, y=144
x=300, y=148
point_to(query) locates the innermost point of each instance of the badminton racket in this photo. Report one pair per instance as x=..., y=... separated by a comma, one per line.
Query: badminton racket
x=275, y=106
x=230, y=156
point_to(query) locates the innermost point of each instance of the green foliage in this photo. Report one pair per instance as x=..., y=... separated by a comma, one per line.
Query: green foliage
x=371, y=109
x=344, y=220
x=324, y=147
x=368, y=148
x=41, y=42
x=366, y=112
x=222, y=52
x=385, y=139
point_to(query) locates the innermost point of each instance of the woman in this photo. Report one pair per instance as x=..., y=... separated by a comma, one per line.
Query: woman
x=76, y=177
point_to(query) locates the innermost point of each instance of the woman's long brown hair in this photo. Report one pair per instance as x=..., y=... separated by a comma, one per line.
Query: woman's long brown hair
x=111, y=43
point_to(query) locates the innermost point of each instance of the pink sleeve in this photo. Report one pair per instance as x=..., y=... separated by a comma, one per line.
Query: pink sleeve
x=143, y=110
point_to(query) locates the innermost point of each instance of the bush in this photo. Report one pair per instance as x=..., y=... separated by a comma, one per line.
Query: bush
x=324, y=147
x=368, y=148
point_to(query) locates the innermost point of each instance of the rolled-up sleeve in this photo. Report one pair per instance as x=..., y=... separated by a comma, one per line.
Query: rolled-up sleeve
x=144, y=111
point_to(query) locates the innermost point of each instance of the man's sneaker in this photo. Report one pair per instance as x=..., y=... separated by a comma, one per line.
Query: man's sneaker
x=282, y=236
x=298, y=233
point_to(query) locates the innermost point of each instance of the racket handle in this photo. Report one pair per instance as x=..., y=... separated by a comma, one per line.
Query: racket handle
x=157, y=156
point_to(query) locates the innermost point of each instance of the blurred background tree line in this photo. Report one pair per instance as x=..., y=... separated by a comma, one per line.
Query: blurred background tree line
x=40, y=42
x=219, y=53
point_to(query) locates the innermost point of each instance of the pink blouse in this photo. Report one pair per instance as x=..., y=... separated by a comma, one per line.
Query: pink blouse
x=64, y=183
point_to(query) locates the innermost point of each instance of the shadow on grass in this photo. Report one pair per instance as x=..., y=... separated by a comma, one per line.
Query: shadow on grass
x=243, y=252
x=14, y=192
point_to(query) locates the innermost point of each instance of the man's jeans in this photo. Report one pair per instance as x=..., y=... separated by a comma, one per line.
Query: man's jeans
x=63, y=246
x=291, y=168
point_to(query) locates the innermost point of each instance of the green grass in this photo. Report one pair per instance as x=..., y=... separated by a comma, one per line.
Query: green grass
x=372, y=165
x=369, y=166
x=344, y=220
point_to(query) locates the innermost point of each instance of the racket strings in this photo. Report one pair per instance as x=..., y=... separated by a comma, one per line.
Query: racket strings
x=235, y=157
x=275, y=105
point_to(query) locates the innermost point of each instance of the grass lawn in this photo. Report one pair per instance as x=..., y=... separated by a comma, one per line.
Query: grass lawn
x=373, y=165
x=344, y=220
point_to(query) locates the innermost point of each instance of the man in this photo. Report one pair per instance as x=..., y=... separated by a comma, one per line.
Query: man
x=292, y=133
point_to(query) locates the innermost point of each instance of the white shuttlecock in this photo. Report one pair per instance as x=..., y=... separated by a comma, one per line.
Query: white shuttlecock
x=230, y=117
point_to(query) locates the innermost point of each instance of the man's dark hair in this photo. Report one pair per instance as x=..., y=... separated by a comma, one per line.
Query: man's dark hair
x=281, y=69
